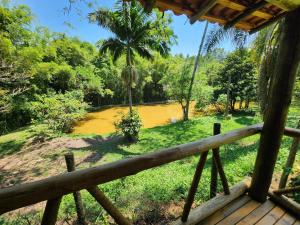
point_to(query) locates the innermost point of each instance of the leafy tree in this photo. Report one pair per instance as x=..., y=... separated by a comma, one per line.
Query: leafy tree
x=133, y=34
x=238, y=76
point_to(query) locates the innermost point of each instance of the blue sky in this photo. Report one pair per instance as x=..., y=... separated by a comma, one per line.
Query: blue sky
x=50, y=13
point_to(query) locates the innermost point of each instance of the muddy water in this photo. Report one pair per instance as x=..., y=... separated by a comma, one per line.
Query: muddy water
x=102, y=121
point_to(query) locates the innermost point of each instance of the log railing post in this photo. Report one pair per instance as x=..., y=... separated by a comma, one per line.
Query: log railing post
x=217, y=168
x=290, y=160
x=70, y=161
x=214, y=170
x=108, y=206
x=277, y=108
x=194, y=186
x=51, y=211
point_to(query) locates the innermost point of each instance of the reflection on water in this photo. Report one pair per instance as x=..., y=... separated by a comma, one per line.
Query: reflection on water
x=102, y=122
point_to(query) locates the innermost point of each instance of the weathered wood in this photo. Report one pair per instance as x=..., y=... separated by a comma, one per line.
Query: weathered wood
x=246, y=13
x=70, y=161
x=214, y=170
x=287, y=219
x=205, y=7
x=225, y=211
x=292, y=132
x=257, y=214
x=193, y=189
x=34, y=192
x=51, y=211
x=290, y=160
x=240, y=213
x=108, y=206
x=220, y=169
x=287, y=190
x=286, y=203
x=272, y=217
x=216, y=203
x=277, y=109
x=268, y=23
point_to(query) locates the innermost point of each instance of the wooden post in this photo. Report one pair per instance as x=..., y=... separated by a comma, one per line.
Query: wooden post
x=108, y=206
x=280, y=98
x=70, y=161
x=220, y=169
x=51, y=211
x=214, y=170
x=194, y=186
x=290, y=161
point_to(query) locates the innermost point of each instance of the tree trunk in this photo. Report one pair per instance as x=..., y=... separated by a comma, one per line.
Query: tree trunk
x=241, y=104
x=186, y=117
x=228, y=96
x=276, y=112
x=247, y=102
x=129, y=65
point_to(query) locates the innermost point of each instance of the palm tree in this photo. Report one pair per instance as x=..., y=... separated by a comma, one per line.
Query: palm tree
x=133, y=34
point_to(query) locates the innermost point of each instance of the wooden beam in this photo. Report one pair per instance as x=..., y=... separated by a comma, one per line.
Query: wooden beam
x=239, y=7
x=108, y=206
x=216, y=203
x=246, y=13
x=287, y=190
x=204, y=8
x=214, y=170
x=276, y=113
x=241, y=25
x=286, y=203
x=292, y=132
x=34, y=192
x=268, y=23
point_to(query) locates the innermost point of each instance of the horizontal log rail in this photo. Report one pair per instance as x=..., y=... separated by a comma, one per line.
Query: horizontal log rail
x=51, y=188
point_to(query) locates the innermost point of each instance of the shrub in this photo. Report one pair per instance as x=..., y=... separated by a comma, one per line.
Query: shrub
x=204, y=97
x=59, y=111
x=129, y=125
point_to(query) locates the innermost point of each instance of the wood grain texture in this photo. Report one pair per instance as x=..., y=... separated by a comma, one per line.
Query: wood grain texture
x=240, y=213
x=225, y=211
x=272, y=217
x=287, y=219
x=257, y=214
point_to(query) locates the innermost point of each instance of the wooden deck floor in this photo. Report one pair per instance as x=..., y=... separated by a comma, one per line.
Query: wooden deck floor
x=245, y=211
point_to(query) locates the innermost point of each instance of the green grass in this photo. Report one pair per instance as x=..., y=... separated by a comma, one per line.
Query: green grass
x=140, y=196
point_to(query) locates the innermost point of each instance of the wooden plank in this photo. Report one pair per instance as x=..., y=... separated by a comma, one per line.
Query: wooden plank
x=241, y=25
x=51, y=211
x=216, y=203
x=257, y=214
x=246, y=13
x=204, y=8
x=225, y=211
x=30, y=193
x=239, y=7
x=214, y=170
x=272, y=217
x=287, y=219
x=284, y=77
x=240, y=213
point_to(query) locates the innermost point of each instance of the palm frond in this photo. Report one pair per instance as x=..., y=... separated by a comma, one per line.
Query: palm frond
x=115, y=46
x=219, y=34
x=144, y=52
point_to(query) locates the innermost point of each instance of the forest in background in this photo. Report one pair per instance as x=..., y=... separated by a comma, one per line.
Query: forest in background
x=41, y=68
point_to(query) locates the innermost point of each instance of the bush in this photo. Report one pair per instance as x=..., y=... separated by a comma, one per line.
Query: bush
x=129, y=125
x=59, y=111
x=204, y=97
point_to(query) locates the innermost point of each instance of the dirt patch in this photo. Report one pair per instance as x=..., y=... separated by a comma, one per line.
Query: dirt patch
x=39, y=160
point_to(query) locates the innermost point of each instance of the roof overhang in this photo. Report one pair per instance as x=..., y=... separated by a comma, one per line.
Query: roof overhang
x=248, y=15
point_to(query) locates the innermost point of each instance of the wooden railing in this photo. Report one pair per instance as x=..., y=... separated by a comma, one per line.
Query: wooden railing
x=52, y=189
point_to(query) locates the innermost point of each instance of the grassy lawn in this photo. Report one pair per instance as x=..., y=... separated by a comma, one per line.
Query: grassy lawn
x=156, y=194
